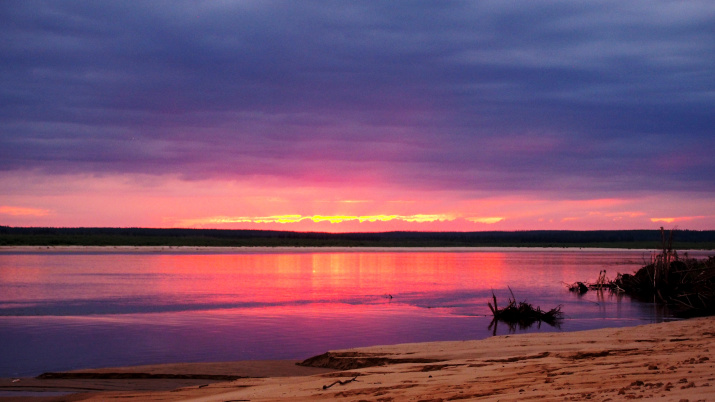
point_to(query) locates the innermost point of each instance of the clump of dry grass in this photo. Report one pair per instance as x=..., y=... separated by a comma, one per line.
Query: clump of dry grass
x=686, y=284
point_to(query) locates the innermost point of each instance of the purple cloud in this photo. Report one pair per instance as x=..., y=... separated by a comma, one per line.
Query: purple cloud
x=600, y=96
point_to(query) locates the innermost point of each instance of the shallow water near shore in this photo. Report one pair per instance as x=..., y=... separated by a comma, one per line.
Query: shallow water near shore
x=65, y=310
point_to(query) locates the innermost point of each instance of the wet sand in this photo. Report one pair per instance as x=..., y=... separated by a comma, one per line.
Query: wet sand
x=669, y=361
x=160, y=377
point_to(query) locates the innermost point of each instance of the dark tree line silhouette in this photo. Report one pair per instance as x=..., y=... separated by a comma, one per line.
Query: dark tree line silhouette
x=48, y=236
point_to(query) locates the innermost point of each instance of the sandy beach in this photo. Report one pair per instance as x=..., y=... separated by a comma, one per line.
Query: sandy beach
x=667, y=361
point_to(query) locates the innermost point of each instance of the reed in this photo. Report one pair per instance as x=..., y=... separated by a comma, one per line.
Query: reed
x=686, y=284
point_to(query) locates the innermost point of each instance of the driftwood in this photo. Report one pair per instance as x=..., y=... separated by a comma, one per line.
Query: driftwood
x=578, y=287
x=601, y=283
x=522, y=314
x=340, y=382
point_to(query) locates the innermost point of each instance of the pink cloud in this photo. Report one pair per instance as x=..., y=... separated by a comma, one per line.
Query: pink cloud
x=23, y=211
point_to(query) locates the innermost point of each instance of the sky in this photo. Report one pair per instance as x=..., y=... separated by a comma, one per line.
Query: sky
x=358, y=116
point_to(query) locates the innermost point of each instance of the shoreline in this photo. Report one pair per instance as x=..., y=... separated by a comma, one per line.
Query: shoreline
x=669, y=361
x=308, y=249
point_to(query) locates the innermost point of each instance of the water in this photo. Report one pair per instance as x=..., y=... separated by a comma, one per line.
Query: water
x=72, y=310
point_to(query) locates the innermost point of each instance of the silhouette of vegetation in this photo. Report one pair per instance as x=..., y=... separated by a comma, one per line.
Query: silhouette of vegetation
x=36, y=236
x=687, y=285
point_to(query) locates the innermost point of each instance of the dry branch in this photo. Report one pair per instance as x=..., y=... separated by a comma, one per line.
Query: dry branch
x=340, y=382
x=523, y=314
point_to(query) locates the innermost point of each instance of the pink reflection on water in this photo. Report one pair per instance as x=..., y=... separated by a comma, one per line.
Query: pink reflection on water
x=323, y=277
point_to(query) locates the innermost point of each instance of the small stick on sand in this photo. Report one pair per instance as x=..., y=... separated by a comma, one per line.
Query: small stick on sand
x=341, y=382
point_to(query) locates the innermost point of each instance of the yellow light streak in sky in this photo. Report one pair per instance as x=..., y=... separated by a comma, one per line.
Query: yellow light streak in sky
x=677, y=219
x=488, y=220
x=375, y=218
x=420, y=218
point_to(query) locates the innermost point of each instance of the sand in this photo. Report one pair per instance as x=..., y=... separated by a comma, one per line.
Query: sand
x=668, y=361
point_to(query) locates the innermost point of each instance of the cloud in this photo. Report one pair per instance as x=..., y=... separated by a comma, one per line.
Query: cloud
x=22, y=211
x=487, y=220
x=586, y=100
x=677, y=219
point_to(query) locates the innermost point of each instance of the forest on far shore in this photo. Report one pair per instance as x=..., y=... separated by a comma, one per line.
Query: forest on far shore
x=634, y=239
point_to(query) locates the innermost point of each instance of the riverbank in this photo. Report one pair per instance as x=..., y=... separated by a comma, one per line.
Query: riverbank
x=669, y=361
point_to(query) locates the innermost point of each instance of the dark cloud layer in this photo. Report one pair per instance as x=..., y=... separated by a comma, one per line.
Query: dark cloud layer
x=489, y=95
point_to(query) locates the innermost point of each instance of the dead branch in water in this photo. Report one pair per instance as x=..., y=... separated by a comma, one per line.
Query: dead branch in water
x=523, y=314
x=601, y=283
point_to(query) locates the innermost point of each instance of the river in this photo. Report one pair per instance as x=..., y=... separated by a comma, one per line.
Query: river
x=71, y=309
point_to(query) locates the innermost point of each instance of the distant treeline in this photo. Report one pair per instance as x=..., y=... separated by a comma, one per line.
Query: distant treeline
x=646, y=239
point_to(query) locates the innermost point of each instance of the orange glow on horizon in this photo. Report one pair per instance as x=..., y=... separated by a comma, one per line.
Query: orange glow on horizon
x=169, y=201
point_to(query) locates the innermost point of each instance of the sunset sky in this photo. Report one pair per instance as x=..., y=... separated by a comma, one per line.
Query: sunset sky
x=358, y=116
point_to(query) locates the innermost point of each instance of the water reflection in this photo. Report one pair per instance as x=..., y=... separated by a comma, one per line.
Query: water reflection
x=521, y=325
x=67, y=310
